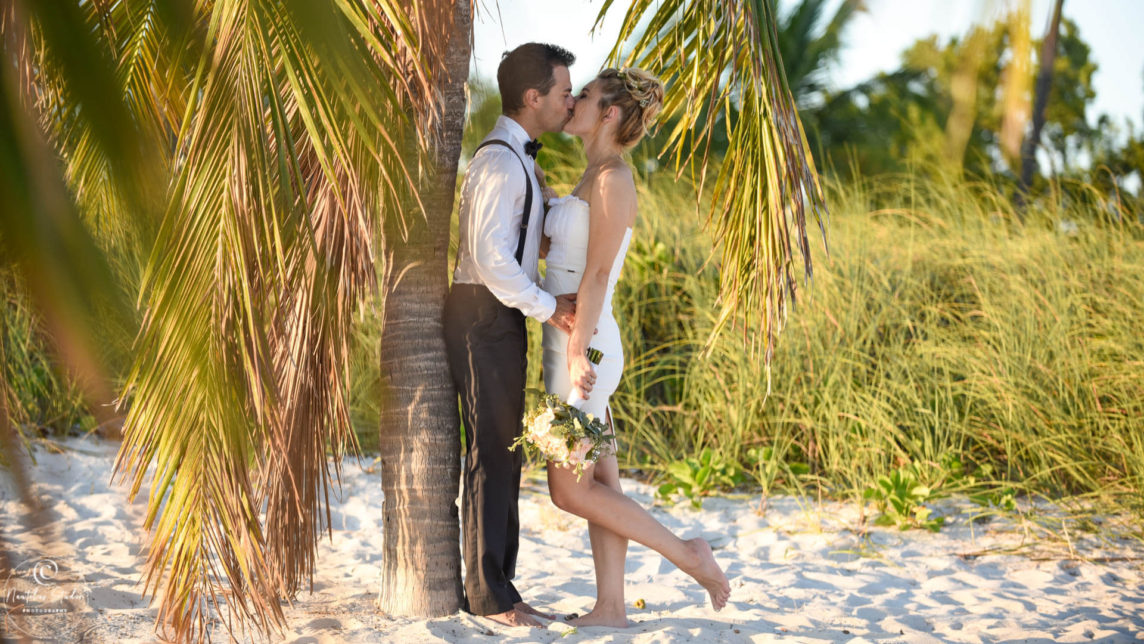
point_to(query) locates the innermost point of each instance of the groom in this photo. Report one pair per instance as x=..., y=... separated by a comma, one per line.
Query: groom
x=494, y=288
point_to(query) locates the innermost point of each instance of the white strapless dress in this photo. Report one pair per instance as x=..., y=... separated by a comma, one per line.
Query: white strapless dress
x=567, y=226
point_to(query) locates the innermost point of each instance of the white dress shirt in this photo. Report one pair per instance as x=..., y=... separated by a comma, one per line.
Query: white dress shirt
x=492, y=201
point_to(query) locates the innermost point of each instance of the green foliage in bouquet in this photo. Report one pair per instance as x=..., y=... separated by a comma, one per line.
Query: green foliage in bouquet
x=558, y=432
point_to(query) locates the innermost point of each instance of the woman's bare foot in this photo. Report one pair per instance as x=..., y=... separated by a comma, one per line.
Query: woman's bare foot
x=708, y=573
x=601, y=616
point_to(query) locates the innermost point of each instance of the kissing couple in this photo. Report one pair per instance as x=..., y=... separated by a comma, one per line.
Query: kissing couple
x=503, y=234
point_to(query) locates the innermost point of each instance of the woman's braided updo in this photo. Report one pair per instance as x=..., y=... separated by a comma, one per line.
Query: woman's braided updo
x=638, y=94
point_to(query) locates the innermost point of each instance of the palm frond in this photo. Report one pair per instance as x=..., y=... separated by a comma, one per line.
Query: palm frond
x=289, y=151
x=333, y=270
x=328, y=274
x=42, y=233
x=43, y=238
x=203, y=376
x=721, y=57
x=277, y=136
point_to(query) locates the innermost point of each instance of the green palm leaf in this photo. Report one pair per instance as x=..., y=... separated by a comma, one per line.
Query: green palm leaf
x=289, y=149
x=42, y=231
x=50, y=53
x=721, y=58
x=276, y=134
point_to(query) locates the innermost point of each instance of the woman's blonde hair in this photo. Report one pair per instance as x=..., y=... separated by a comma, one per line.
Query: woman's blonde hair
x=638, y=94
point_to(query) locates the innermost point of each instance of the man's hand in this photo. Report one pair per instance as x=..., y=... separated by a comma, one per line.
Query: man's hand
x=565, y=314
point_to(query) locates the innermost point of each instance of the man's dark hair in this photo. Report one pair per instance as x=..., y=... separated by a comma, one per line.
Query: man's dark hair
x=529, y=67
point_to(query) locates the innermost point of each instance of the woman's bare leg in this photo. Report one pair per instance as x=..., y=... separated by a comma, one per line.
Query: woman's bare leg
x=609, y=508
x=609, y=554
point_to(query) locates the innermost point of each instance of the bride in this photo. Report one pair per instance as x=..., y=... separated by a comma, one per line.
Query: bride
x=589, y=232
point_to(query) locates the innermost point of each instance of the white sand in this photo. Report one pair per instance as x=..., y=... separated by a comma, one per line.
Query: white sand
x=799, y=573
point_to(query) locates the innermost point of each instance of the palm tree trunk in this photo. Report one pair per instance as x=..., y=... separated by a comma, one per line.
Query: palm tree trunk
x=420, y=435
x=1040, y=102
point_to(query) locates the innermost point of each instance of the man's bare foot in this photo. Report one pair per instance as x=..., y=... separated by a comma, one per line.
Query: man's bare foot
x=514, y=618
x=529, y=610
x=601, y=617
x=708, y=573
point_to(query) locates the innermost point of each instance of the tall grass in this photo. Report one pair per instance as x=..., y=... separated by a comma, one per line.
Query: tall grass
x=41, y=399
x=938, y=335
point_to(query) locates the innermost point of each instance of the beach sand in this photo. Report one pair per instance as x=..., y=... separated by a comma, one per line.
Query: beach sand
x=803, y=572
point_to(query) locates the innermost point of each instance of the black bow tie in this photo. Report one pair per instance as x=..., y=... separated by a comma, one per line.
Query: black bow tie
x=532, y=147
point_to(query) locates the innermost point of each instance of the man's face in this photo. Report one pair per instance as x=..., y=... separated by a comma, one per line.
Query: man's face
x=556, y=106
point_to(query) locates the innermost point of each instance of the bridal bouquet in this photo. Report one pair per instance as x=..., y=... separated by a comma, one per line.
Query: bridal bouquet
x=563, y=434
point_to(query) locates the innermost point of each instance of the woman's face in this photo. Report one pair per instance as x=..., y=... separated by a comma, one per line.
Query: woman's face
x=586, y=113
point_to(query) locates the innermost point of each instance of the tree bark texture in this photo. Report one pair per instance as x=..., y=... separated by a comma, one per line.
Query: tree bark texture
x=420, y=432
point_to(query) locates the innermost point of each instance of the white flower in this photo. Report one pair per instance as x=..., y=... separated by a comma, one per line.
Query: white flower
x=541, y=425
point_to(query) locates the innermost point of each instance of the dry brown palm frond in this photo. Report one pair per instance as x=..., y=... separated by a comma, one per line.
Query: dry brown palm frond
x=328, y=276
x=275, y=134
x=290, y=151
x=41, y=229
x=329, y=272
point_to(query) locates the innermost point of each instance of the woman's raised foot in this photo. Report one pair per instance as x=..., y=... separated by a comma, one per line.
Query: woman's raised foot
x=708, y=573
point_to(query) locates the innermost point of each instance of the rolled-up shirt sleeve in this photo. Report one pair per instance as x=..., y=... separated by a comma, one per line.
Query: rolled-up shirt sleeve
x=494, y=233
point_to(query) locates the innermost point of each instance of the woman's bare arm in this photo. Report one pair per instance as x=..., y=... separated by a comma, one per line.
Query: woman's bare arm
x=612, y=203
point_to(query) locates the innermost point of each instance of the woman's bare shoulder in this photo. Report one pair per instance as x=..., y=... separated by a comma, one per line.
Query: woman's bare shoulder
x=614, y=194
x=615, y=179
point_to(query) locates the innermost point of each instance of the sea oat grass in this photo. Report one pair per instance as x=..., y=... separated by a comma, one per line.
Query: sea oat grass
x=938, y=334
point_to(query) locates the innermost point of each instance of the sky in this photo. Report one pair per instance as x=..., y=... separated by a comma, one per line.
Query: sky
x=873, y=42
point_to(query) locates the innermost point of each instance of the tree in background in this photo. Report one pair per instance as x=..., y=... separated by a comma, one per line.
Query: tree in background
x=1117, y=167
x=1040, y=101
x=899, y=119
x=809, y=49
